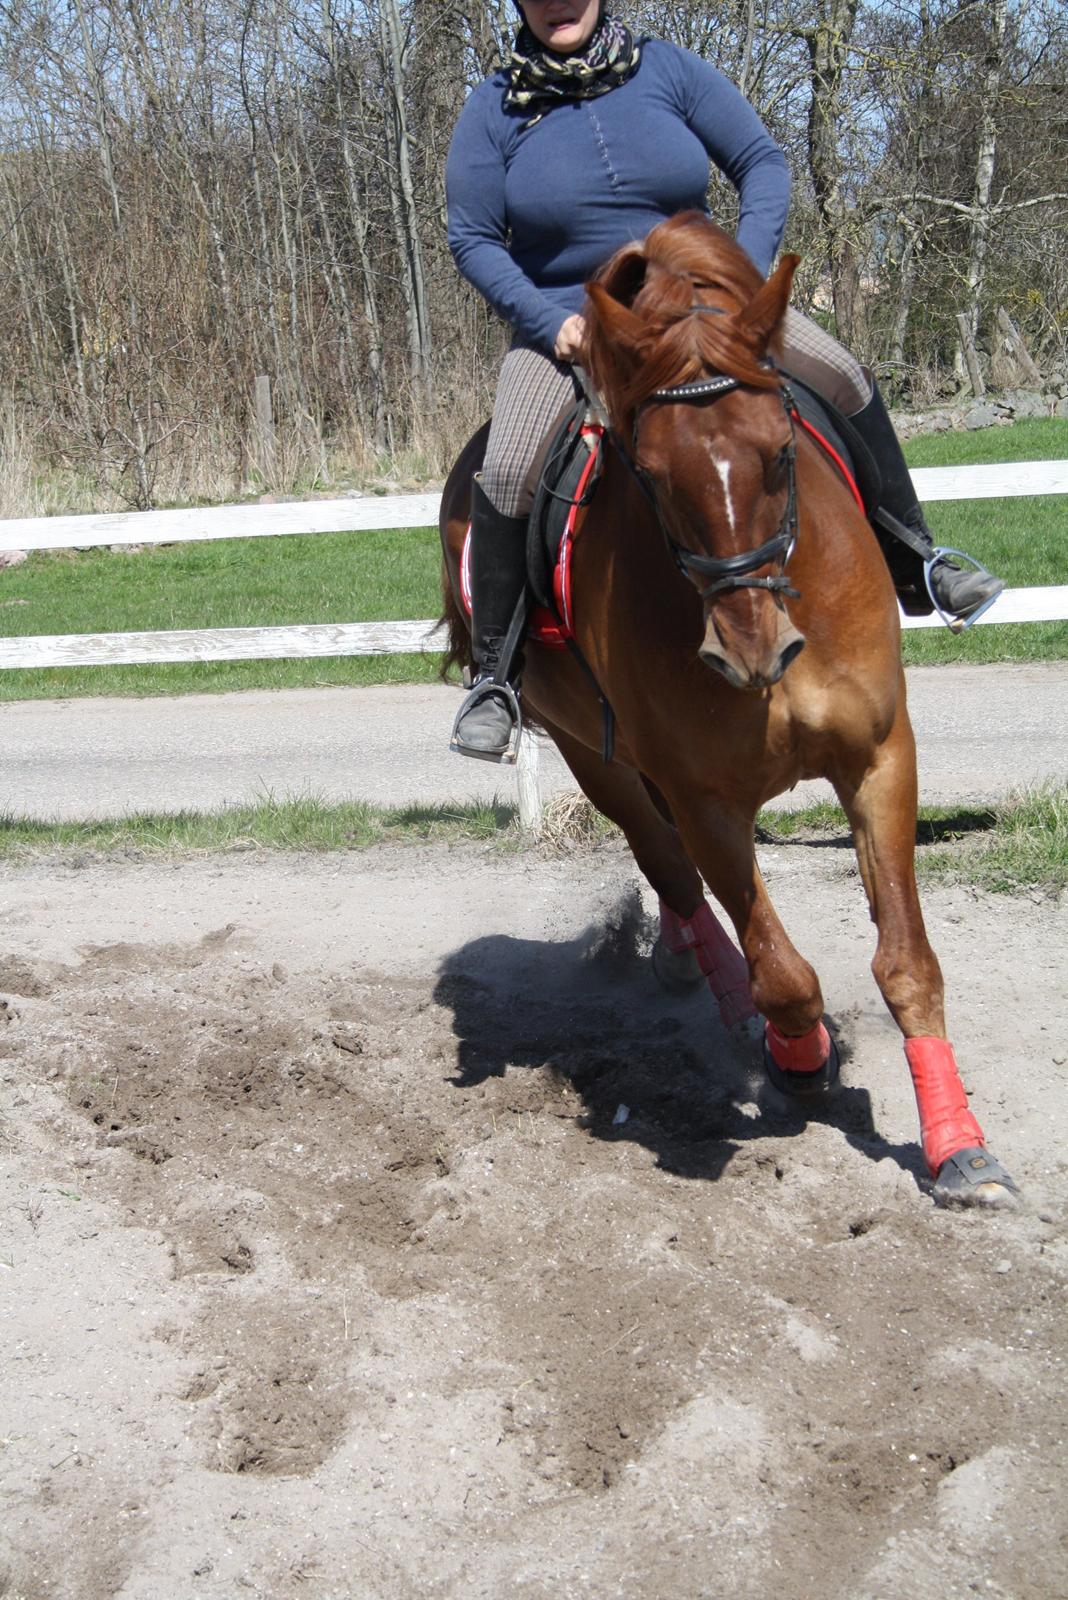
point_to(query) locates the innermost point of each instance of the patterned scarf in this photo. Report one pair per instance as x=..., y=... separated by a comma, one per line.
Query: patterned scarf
x=539, y=80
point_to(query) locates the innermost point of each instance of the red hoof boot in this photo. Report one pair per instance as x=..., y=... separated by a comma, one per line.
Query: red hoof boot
x=803, y=1068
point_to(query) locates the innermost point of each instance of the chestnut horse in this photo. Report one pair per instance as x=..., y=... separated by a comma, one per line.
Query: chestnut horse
x=734, y=608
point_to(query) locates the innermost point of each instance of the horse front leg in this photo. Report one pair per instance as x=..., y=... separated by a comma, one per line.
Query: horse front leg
x=799, y=1054
x=881, y=807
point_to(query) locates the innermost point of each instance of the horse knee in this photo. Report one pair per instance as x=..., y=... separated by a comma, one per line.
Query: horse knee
x=788, y=993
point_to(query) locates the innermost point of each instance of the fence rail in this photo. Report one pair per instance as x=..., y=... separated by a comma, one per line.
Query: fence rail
x=364, y=512
x=359, y=638
x=367, y=512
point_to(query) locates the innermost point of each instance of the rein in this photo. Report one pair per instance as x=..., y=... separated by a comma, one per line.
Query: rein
x=726, y=572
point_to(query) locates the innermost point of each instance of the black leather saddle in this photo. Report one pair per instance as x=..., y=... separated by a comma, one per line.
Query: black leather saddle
x=568, y=472
x=835, y=430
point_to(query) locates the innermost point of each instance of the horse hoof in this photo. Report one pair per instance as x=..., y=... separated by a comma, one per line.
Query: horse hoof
x=805, y=1088
x=677, y=971
x=973, y=1178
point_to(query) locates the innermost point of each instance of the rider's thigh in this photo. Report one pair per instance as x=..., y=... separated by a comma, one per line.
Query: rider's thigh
x=533, y=388
x=819, y=360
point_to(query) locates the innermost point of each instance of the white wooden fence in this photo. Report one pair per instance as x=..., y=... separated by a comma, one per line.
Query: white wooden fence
x=380, y=638
x=1048, y=604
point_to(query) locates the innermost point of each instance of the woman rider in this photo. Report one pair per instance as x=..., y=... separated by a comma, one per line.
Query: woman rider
x=582, y=142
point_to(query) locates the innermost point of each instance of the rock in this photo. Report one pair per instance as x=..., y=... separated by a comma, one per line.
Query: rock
x=1061, y=408
x=12, y=558
x=1026, y=403
x=981, y=415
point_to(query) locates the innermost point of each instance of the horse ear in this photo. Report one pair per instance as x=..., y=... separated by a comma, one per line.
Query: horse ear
x=624, y=274
x=765, y=311
x=619, y=325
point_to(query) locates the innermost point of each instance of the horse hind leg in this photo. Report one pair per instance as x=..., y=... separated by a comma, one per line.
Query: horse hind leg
x=881, y=808
x=692, y=946
x=698, y=947
x=799, y=1053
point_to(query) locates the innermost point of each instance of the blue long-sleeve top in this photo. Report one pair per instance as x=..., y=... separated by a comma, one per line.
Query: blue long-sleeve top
x=535, y=211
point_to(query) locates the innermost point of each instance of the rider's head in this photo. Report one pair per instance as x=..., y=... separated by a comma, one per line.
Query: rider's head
x=563, y=26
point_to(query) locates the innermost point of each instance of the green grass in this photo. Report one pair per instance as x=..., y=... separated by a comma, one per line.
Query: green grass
x=303, y=823
x=1035, y=439
x=1026, y=848
x=1024, y=540
x=380, y=576
x=393, y=575
x=1016, y=846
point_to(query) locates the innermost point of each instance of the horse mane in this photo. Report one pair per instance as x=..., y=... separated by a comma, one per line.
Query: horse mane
x=641, y=333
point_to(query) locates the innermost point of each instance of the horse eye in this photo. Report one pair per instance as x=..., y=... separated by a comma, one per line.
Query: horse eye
x=777, y=468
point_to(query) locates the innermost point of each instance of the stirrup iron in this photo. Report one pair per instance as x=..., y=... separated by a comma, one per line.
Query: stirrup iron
x=942, y=553
x=485, y=687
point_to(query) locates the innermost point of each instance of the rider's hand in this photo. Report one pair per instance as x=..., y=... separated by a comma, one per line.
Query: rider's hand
x=568, y=346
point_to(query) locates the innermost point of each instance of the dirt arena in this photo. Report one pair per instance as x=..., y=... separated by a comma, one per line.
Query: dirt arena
x=373, y=1227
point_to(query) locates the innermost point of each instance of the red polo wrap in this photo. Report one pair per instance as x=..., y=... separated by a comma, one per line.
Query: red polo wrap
x=721, y=962
x=946, y=1123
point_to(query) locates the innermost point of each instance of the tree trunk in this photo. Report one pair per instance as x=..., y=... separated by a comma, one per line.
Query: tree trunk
x=903, y=304
x=359, y=222
x=985, y=155
x=402, y=200
x=828, y=42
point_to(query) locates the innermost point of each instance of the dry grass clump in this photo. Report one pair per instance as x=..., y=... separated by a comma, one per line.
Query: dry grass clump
x=569, y=822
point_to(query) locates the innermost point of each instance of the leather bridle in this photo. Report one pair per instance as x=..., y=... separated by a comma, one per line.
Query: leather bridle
x=726, y=572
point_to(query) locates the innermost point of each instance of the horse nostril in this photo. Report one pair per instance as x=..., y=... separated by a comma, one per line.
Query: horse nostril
x=720, y=664
x=792, y=651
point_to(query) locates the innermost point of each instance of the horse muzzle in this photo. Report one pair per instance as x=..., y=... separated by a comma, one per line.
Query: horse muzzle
x=751, y=659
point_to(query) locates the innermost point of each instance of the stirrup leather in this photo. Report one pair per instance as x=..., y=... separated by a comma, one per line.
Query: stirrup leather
x=940, y=554
x=485, y=687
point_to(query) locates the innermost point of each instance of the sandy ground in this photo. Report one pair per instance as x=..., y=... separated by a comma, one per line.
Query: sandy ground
x=374, y=1227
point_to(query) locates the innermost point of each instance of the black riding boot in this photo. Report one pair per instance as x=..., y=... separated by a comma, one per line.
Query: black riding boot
x=910, y=551
x=488, y=721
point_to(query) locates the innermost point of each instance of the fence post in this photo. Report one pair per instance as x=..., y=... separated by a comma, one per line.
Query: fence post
x=527, y=771
x=1014, y=340
x=264, y=424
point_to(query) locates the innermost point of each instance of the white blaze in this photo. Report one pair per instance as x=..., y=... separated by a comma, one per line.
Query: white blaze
x=723, y=468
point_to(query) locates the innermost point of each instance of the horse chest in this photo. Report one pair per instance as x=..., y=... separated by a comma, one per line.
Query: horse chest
x=841, y=710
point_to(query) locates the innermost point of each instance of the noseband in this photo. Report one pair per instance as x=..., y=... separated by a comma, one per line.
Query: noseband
x=727, y=572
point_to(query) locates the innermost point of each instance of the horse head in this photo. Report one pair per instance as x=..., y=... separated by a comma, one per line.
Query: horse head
x=680, y=332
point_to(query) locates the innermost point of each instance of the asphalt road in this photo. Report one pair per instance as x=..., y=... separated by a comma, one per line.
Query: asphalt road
x=981, y=731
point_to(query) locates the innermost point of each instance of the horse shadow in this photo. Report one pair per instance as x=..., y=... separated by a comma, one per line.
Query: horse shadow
x=648, y=1067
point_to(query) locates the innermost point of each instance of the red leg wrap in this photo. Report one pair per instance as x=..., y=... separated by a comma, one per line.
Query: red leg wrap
x=946, y=1124
x=722, y=964
x=806, y=1052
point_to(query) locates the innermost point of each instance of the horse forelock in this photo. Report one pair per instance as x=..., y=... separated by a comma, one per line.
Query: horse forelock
x=682, y=262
